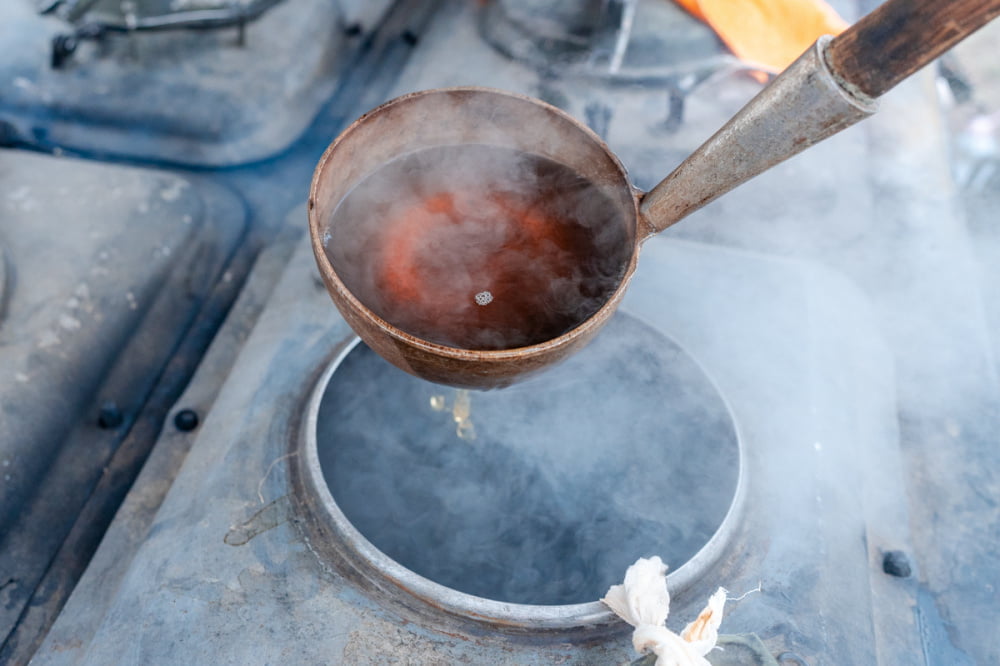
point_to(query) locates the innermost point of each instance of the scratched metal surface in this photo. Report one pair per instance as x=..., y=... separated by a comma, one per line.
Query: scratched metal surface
x=107, y=268
x=189, y=97
x=863, y=291
x=225, y=562
x=77, y=280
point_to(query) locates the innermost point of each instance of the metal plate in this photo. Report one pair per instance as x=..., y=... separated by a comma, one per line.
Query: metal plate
x=157, y=14
x=186, y=96
x=108, y=268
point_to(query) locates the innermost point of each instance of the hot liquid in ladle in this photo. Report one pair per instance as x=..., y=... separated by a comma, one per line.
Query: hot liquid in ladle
x=469, y=273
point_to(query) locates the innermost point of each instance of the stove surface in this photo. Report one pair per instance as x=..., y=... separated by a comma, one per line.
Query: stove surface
x=198, y=97
x=233, y=510
x=837, y=302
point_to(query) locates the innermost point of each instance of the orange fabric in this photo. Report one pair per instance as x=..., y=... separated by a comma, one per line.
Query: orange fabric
x=769, y=34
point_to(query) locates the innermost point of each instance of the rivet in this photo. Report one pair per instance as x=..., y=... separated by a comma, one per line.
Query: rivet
x=109, y=416
x=186, y=420
x=896, y=563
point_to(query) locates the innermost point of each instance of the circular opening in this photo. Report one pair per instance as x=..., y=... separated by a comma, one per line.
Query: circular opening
x=493, y=504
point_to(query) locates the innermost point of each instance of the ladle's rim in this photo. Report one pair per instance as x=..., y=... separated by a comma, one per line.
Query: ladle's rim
x=584, y=328
x=388, y=575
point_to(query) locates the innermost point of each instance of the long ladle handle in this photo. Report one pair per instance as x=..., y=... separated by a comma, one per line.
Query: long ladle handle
x=833, y=85
x=901, y=36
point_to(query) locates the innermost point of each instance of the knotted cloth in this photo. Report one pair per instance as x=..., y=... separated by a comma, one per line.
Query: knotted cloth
x=644, y=602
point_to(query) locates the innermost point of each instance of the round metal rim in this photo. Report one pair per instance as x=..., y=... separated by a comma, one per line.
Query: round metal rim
x=361, y=553
x=496, y=355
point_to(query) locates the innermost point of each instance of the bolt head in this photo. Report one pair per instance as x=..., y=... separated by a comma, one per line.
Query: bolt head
x=186, y=420
x=896, y=563
x=109, y=416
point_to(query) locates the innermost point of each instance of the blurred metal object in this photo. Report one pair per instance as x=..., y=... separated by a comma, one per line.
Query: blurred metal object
x=94, y=18
x=46, y=6
x=611, y=38
x=974, y=127
x=976, y=159
x=621, y=40
x=158, y=14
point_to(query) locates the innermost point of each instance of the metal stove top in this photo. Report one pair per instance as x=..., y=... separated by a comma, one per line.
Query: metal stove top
x=835, y=302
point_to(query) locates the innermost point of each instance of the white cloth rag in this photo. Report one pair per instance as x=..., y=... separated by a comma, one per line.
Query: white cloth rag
x=644, y=602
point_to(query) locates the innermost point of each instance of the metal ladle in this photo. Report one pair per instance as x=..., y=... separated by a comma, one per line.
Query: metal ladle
x=831, y=86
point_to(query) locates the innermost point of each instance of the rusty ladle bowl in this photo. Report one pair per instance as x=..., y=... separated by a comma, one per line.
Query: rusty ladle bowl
x=831, y=86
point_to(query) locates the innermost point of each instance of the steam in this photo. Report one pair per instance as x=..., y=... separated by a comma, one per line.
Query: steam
x=570, y=477
x=829, y=297
x=479, y=247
